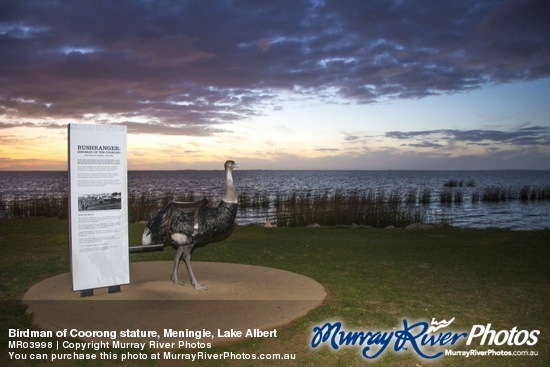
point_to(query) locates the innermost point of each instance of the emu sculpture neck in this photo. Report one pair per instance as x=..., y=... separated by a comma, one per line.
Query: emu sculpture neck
x=230, y=195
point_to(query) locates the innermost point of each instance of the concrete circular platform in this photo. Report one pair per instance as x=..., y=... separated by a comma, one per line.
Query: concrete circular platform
x=239, y=297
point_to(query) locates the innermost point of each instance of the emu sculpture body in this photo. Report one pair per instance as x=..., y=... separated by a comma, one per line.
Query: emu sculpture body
x=187, y=226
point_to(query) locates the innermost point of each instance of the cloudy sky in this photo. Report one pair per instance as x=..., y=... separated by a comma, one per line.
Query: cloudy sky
x=318, y=84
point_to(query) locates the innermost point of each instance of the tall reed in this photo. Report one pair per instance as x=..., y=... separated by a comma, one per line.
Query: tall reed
x=425, y=196
x=373, y=208
x=449, y=196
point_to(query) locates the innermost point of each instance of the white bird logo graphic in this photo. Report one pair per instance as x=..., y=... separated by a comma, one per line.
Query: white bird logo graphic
x=439, y=325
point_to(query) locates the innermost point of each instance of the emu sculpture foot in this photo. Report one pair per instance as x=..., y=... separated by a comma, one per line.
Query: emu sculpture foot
x=200, y=286
x=177, y=281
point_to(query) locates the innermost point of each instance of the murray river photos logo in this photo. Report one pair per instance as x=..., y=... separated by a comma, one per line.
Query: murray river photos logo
x=429, y=341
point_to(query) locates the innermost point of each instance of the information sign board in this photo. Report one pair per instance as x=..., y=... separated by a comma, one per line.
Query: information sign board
x=98, y=206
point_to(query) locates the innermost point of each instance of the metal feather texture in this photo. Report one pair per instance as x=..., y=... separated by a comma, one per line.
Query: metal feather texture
x=213, y=223
x=187, y=226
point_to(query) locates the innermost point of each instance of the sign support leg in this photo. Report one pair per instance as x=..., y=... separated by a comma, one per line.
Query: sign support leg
x=114, y=289
x=86, y=293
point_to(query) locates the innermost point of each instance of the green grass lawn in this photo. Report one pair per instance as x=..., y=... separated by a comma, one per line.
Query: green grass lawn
x=374, y=278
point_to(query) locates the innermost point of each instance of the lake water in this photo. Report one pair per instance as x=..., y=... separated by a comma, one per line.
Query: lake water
x=510, y=214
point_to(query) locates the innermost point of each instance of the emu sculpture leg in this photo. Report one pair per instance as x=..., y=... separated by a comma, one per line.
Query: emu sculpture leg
x=187, y=260
x=177, y=258
x=185, y=252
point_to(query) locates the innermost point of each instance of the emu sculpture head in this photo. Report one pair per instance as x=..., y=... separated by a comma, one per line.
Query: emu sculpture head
x=230, y=165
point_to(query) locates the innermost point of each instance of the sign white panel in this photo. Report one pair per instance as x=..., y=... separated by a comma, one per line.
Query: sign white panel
x=98, y=195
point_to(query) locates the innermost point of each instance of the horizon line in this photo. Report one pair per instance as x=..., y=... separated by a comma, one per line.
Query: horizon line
x=304, y=169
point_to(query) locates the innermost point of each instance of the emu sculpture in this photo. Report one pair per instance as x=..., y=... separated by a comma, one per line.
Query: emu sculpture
x=188, y=225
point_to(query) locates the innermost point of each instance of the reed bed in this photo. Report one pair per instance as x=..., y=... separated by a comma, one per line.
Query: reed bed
x=502, y=193
x=142, y=207
x=293, y=209
x=372, y=208
x=459, y=183
x=300, y=209
x=34, y=207
x=255, y=200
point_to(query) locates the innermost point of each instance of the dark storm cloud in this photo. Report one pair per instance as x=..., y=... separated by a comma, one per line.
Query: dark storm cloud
x=195, y=130
x=536, y=135
x=352, y=138
x=327, y=150
x=424, y=144
x=190, y=65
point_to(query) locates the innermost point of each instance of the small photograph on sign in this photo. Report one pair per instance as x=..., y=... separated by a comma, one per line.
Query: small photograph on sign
x=102, y=201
